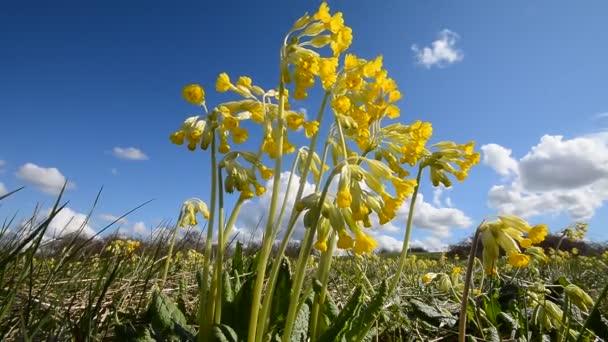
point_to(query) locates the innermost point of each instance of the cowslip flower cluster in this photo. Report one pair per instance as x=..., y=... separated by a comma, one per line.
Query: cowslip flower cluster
x=119, y=247
x=510, y=233
x=451, y=158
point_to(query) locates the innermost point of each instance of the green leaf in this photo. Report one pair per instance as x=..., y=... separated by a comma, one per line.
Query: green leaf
x=237, y=259
x=363, y=322
x=223, y=333
x=598, y=324
x=432, y=314
x=227, y=293
x=299, y=331
x=281, y=296
x=343, y=322
x=492, y=306
x=167, y=319
x=236, y=314
x=492, y=335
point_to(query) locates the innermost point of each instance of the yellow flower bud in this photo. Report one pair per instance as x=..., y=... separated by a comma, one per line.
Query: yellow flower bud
x=194, y=93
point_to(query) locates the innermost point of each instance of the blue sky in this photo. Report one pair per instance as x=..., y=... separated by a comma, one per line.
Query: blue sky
x=80, y=79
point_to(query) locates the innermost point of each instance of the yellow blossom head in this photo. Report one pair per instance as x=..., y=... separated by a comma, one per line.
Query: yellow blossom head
x=194, y=93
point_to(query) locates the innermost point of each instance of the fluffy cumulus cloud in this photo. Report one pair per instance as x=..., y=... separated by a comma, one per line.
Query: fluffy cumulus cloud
x=2, y=189
x=433, y=219
x=49, y=180
x=442, y=51
x=68, y=221
x=129, y=153
x=556, y=176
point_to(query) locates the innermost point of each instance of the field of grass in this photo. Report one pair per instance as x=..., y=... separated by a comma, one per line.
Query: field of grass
x=115, y=290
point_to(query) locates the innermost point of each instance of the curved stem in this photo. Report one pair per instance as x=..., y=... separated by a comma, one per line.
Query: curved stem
x=296, y=287
x=462, y=323
x=408, y=231
x=204, y=321
x=232, y=219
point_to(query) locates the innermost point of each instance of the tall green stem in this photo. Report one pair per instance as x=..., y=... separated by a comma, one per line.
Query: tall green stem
x=323, y=277
x=408, y=232
x=170, y=253
x=296, y=287
x=462, y=323
x=219, y=272
x=232, y=219
x=292, y=221
x=203, y=321
x=267, y=243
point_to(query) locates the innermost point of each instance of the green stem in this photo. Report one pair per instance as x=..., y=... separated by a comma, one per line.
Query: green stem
x=462, y=323
x=323, y=277
x=267, y=243
x=203, y=321
x=170, y=253
x=296, y=287
x=292, y=221
x=595, y=310
x=232, y=219
x=408, y=231
x=219, y=272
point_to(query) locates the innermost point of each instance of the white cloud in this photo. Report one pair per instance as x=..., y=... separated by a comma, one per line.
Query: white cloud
x=442, y=51
x=557, y=176
x=48, y=180
x=2, y=165
x=139, y=227
x=114, y=171
x=437, y=196
x=3, y=190
x=112, y=218
x=68, y=221
x=499, y=159
x=129, y=153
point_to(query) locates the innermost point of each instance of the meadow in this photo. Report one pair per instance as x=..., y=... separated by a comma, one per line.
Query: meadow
x=513, y=281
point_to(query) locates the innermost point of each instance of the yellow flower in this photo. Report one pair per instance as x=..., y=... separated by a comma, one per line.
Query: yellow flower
x=239, y=135
x=321, y=246
x=341, y=40
x=178, y=137
x=246, y=194
x=230, y=122
x=244, y=81
x=259, y=189
x=525, y=243
x=224, y=147
x=294, y=120
x=345, y=241
x=364, y=243
x=266, y=172
x=323, y=14
x=194, y=93
x=428, y=277
x=344, y=198
x=394, y=96
x=311, y=128
x=300, y=93
x=538, y=233
x=457, y=270
x=341, y=104
x=223, y=83
x=518, y=260
x=327, y=71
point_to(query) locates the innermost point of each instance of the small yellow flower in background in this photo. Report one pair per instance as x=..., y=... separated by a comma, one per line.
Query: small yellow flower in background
x=189, y=210
x=428, y=277
x=575, y=251
x=294, y=120
x=194, y=93
x=518, y=260
x=321, y=246
x=244, y=81
x=265, y=172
